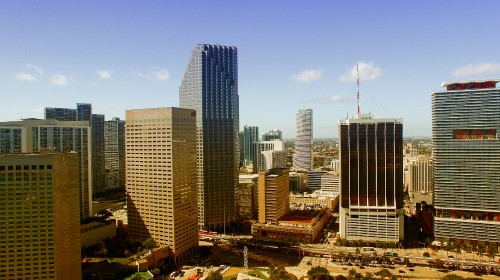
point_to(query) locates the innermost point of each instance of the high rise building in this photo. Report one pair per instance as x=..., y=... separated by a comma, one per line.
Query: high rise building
x=83, y=112
x=161, y=178
x=210, y=86
x=268, y=155
x=420, y=175
x=371, y=179
x=273, y=195
x=251, y=134
x=302, y=159
x=466, y=160
x=314, y=179
x=114, y=147
x=241, y=142
x=40, y=228
x=28, y=136
x=273, y=134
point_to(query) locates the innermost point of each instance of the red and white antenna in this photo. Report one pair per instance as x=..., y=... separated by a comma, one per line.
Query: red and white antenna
x=357, y=70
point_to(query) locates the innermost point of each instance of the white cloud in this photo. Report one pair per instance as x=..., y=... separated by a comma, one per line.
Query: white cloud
x=307, y=76
x=36, y=68
x=161, y=74
x=104, y=74
x=367, y=71
x=59, y=80
x=37, y=110
x=475, y=69
x=332, y=99
x=23, y=76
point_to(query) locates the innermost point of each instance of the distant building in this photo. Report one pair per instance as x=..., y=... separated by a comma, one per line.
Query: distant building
x=420, y=176
x=371, y=179
x=40, y=216
x=273, y=134
x=314, y=179
x=268, y=155
x=251, y=135
x=317, y=200
x=330, y=183
x=296, y=181
x=273, y=195
x=302, y=159
x=161, y=178
x=114, y=135
x=334, y=164
x=83, y=112
x=210, y=86
x=29, y=136
x=466, y=160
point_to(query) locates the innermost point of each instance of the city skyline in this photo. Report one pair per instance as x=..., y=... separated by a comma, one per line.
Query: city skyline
x=300, y=55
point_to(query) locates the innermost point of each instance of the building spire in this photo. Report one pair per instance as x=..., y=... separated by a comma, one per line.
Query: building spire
x=357, y=70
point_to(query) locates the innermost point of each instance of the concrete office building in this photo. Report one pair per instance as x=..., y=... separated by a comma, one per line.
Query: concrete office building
x=31, y=135
x=273, y=134
x=210, y=86
x=251, y=135
x=419, y=178
x=40, y=228
x=466, y=160
x=161, y=178
x=302, y=159
x=268, y=155
x=114, y=138
x=314, y=179
x=330, y=183
x=371, y=179
x=83, y=112
x=273, y=195
x=246, y=196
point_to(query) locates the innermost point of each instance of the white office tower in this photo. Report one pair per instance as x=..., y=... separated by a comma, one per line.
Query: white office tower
x=466, y=160
x=302, y=159
x=419, y=178
x=268, y=155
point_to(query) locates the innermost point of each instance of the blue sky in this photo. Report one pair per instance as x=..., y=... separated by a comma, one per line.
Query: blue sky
x=121, y=55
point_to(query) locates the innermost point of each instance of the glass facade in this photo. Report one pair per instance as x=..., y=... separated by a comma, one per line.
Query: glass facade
x=210, y=86
x=302, y=159
x=466, y=162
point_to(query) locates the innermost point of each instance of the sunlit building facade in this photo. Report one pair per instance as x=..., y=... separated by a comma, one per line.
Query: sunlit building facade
x=302, y=159
x=161, y=178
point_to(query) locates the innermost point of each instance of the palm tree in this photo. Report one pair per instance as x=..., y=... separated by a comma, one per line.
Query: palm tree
x=481, y=250
x=492, y=251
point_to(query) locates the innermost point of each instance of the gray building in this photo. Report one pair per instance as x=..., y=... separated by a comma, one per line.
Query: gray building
x=466, y=160
x=251, y=135
x=114, y=153
x=302, y=159
x=210, y=86
x=268, y=155
x=83, y=112
x=273, y=134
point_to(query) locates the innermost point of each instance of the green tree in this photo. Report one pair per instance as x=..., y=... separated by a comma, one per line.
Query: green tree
x=492, y=251
x=155, y=272
x=340, y=277
x=481, y=250
x=149, y=244
x=453, y=277
x=317, y=270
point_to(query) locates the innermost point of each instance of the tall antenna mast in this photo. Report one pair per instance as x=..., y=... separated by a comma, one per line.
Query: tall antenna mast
x=357, y=70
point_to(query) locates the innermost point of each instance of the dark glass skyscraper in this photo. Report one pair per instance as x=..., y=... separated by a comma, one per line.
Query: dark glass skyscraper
x=371, y=178
x=210, y=86
x=251, y=134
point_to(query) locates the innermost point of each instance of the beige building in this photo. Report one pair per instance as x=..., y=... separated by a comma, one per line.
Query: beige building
x=32, y=135
x=161, y=177
x=273, y=195
x=419, y=178
x=39, y=232
x=246, y=196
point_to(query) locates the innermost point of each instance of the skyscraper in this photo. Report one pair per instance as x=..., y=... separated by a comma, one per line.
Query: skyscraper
x=273, y=134
x=114, y=138
x=28, y=136
x=161, y=178
x=371, y=179
x=39, y=232
x=210, y=86
x=302, y=159
x=466, y=160
x=83, y=112
x=274, y=194
x=420, y=176
x=251, y=134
